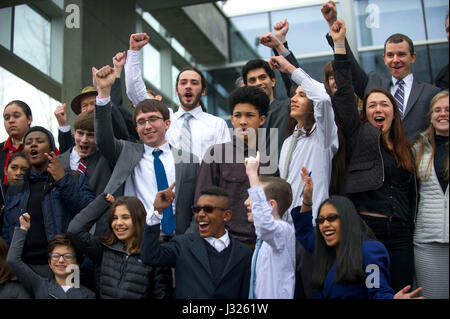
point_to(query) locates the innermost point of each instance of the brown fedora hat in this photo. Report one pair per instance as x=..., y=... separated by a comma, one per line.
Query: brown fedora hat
x=76, y=102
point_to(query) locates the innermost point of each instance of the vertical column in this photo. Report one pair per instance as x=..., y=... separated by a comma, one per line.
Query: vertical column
x=347, y=13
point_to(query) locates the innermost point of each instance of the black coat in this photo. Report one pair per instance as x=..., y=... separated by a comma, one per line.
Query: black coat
x=119, y=275
x=194, y=278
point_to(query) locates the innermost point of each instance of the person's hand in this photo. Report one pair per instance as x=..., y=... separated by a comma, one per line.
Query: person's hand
x=105, y=78
x=164, y=198
x=110, y=198
x=54, y=167
x=252, y=164
x=269, y=40
x=280, y=29
x=329, y=12
x=404, y=294
x=338, y=31
x=307, y=186
x=138, y=40
x=25, y=221
x=61, y=115
x=280, y=63
x=118, y=62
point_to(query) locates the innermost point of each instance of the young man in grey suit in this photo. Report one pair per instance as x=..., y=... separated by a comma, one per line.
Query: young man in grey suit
x=137, y=166
x=398, y=57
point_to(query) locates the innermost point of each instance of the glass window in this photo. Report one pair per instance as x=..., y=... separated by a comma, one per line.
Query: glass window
x=435, y=12
x=373, y=61
x=152, y=65
x=307, y=29
x=32, y=37
x=5, y=26
x=151, y=21
x=439, y=58
x=251, y=27
x=175, y=72
x=178, y=47
x=59, y=3
x=376, y=20
x=42, y=105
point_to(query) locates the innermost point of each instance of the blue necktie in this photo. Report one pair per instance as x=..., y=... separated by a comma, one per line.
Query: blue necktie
x=252, y=274
x=168, y=221
x=399, y=97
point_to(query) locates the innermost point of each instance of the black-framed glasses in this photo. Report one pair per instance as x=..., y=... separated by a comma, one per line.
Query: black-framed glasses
x=67, y=257
x=330, y=218
x=152, y=120
x=207, y=208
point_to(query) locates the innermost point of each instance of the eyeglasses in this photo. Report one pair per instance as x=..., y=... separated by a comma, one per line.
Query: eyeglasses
x=207, y=208
x=152, y=120
x=67, y=257
x=330, y=218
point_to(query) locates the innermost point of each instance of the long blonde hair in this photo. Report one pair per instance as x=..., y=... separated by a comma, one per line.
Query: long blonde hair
x=428, y=136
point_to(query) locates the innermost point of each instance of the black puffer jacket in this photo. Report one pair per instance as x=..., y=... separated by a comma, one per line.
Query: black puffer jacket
x=119, y=275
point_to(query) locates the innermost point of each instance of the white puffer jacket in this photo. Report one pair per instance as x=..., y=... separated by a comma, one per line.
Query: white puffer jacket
x=432, y=216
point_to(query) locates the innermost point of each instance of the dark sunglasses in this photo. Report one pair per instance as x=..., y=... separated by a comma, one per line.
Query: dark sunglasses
x=330, y=218
x=207, y=208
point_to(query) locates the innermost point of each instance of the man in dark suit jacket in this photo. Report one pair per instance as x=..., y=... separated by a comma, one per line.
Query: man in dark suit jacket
x=134, y=170
x=398, y=57
x=208, y=265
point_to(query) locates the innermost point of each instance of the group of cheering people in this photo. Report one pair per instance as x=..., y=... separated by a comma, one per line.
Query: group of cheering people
x=162, y=204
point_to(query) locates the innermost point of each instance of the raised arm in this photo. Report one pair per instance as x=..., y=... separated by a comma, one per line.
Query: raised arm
x=323, y=111
x=359, y=76
x=134, y=82
x=302, y=215
x=29, y=279
x=109, y=146
x=344, y=100
x=266, y=227
x=65, y=137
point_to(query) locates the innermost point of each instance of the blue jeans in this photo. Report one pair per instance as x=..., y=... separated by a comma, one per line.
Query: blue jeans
x=397, y=237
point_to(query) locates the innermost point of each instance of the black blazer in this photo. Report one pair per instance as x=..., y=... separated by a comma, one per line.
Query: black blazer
x=416, y=119
x=194, y=279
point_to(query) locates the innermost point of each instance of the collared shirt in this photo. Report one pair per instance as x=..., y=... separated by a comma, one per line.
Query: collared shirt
x=275, y=265
x=315, y=152
x=219, y=244
x=206, y=129
x=406, y=88
x=74, y=160
x=142, y=182
x=9, y=149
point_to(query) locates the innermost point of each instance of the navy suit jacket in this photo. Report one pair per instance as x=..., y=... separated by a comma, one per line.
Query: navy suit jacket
x=194, y=279
x=375, y=263
x=416, y=118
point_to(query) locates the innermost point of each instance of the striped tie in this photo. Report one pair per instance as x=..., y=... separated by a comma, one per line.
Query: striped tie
x=399, y=97
x=82, y=167
x=185, y=133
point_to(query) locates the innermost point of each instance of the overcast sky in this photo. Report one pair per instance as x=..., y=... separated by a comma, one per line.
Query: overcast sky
x=241, y=7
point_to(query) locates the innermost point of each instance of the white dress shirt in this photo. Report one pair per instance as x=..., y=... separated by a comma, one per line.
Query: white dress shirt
x=275, y=265
x=316, y=151
x=206, y=129
x=142, y=182
x=74, y=159
x=406, y=88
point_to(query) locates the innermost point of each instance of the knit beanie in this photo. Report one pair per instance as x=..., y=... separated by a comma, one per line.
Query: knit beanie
x=45, y=131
